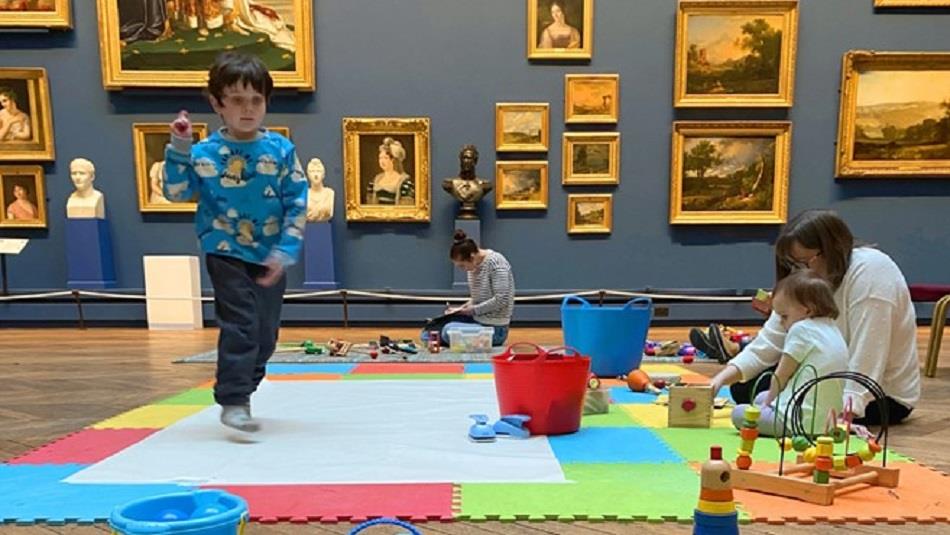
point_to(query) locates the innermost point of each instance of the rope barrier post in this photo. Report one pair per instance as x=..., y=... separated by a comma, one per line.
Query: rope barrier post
x=600, y=298
x=82, y=319
x=346, y=310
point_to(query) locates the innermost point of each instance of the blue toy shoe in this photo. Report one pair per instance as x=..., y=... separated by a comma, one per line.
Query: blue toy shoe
x=481, y=431
x=512, y=425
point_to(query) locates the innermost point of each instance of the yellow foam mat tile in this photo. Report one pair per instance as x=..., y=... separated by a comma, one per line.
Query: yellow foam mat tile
x=656, y=416
x=479, y=376
x=150, y=417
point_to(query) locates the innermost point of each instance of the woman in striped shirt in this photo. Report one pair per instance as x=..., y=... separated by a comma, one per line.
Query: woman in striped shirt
x=491, y=286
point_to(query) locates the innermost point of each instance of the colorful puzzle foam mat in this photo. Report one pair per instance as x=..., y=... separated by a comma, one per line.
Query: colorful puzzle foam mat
x=351, y=441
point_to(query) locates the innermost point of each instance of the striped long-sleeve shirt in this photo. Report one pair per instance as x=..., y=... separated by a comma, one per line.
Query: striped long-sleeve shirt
x=492, y=287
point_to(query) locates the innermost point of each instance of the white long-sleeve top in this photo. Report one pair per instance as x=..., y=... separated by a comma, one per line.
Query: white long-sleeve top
x=877, y=319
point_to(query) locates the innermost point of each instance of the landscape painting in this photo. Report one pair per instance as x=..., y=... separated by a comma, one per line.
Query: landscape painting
x=521, y=127
x=521, y=185
x=735, y=53
x=590, y=213
x=730, y=172
x=895, y=115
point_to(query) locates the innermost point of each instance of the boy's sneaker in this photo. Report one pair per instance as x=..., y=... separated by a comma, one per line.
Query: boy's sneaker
x=239, y=417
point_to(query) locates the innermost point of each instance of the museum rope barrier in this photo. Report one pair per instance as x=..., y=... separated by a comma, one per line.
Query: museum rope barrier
x=345, y=296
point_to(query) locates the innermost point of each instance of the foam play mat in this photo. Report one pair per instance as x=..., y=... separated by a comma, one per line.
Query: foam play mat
x=351, y=441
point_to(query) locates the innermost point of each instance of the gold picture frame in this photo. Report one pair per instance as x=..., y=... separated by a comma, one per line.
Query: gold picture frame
x=549, y=38
x=380, y=152
x=591, y=159
x=756, y=156
x=715, y=38
x=591, y=98
x=57, y=18
x=149, y=141
x=282, y=130
x=911, y=3
x=27, y=132
x=22, y=197
x=180, y=54
x=891, y=111
x=590, y=213
x=522, y=127
x=521, y=185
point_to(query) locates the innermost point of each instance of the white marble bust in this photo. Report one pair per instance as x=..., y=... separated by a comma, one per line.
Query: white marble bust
x=319, y=197
x=86, y=202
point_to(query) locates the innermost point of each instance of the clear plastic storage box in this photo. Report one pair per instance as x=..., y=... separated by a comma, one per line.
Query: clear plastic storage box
x=473, y=339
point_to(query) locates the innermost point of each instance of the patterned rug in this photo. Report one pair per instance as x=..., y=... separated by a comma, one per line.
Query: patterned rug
x=623, y=465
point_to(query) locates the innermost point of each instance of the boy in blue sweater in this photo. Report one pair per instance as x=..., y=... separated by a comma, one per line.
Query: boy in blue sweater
x=252, y=207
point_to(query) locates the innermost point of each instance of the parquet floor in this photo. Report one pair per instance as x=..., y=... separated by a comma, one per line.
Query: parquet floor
x=57, y=381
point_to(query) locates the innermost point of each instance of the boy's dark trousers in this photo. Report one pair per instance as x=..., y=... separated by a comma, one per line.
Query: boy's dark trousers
x=248, y=316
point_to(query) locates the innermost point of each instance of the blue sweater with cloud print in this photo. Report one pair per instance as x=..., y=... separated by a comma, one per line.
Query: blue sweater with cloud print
x=252, y=195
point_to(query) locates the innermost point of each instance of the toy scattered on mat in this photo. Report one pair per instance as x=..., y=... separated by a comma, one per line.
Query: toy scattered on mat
x=828, y=472
x=434, y=343
x=670, y=348
x=597, y=399
x=511, y=425
x=639, y=381
x=481, y=430
x=208, y=512
x=690, y=406
x=339, y=348
x=715, y=512
x=470, y=339
x=386, y=521
x=307, y=346
x=387, y=345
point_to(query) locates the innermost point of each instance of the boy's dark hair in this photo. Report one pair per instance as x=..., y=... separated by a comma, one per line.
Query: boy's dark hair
x=822, y=230
x=811, y=291
x=235, y=68
x=463, y=247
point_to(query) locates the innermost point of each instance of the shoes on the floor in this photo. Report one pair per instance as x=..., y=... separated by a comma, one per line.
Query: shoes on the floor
x=711, y=343
x=239, y=417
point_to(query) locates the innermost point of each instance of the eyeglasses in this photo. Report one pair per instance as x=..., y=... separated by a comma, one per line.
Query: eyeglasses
x=238, y=101
x=797, y=263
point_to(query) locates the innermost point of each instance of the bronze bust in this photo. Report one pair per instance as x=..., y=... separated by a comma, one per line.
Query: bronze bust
x=467, y=188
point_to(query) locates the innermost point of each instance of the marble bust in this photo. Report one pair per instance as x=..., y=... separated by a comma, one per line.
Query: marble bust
x=86, y=202
x=319, y=197
x=467, y=188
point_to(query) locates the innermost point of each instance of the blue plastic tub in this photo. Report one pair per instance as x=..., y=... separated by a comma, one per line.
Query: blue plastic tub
x=201, y=512
x=613, y=337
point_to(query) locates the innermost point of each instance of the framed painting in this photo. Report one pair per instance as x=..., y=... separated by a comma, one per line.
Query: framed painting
x=895, y=115
x=590, y=213
x=911, y=3
x=730, y=172
x=154, y=43
x=22, y=196
x=735, y=53
x=26, y=120
x=521, y=127
x=149, y=140
x=53, y=14
x=560, y=29
x=521, y=185
x=591, y=159
x=591, y=98
x=386, y=169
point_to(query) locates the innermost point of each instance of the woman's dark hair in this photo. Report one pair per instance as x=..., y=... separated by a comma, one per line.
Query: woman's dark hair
x=811, y=291
x=235, y=68
x=10, y=93
x=823, y=230
x=463, y=247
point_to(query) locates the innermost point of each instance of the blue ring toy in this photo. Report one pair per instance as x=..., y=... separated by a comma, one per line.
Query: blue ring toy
x=391, y=521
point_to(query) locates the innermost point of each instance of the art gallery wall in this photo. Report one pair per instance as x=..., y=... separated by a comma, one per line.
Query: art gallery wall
x=452, y=61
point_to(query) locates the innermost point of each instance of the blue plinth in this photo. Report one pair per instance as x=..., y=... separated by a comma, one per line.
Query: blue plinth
x=712, y=524
x=473, y=229
x=319, y=273
x=89, y=260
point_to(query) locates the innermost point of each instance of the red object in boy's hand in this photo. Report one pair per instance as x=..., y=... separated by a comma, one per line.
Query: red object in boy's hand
x=181, y=126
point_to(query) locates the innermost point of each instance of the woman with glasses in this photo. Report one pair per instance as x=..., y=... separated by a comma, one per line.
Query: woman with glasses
x=876, y=318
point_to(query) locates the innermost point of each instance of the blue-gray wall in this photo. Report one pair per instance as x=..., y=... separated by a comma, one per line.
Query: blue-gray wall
x=452, y=60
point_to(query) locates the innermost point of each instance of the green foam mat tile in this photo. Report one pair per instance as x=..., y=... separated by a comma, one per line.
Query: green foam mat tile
x=615, y=417
x=195, y=396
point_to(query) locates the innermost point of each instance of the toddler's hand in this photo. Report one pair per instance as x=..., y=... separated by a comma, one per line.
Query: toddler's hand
x=181, y=126
x=270, y=277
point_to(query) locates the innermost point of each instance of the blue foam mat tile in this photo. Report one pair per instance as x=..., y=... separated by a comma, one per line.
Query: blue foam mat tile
x=612, y=445
x=37, y=493
x=291, y=369
x=622, y=394
x=478, y=367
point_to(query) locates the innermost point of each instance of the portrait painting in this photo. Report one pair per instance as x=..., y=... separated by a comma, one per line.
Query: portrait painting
x=52, y=14
x=730, y=172
x=895, y=115
x=735, y=53
x=521, y=127
x=589, y=213
x=26, y=123
x=149, y=141
x=591, y=98
x=22, y=196
x=591, y=158
x=521, y=185
x=560, y=29
x=386, y=169
x=160, y=43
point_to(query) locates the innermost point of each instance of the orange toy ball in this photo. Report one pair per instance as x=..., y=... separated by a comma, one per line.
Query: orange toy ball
x=743, y=462
x=638, y=380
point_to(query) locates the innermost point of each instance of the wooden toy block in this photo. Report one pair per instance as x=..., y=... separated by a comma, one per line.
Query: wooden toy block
x=597, y=401
x=690, y=406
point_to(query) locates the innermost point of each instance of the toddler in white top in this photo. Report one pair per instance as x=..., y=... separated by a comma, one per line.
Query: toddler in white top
x=805, y=304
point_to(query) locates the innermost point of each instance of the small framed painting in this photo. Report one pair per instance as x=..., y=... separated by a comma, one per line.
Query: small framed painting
x=521, y=185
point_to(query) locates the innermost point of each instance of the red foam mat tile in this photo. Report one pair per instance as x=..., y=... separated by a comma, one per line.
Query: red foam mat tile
x=408, y=367
x=346, y=503
x=84, y=447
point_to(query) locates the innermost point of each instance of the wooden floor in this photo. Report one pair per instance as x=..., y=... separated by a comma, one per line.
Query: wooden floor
x=60, y=380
